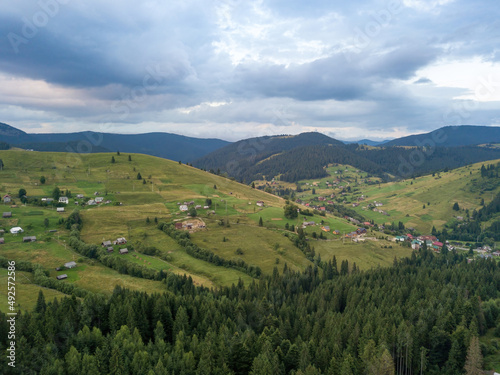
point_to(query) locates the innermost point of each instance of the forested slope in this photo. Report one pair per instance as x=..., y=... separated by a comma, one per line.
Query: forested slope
x=422, y=314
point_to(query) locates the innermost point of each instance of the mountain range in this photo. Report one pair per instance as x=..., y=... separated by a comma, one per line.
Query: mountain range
x=290, y=157
x=165, y=145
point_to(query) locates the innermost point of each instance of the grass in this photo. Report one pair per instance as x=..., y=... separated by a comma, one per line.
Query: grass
x=258, y=246
x=26, y=292
x=368, y=254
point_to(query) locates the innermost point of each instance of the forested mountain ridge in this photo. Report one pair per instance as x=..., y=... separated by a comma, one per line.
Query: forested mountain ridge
x=165, y=145
x=451, y=136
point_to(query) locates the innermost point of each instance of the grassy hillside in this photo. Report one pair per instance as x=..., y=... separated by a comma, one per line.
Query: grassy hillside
x=405, y=200
x=133, y=206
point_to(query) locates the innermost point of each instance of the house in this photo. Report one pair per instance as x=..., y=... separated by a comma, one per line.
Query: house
x=60, y=209
x=110, y=249
x=99, y=199
x=80, y=196
x=29, y=239
x=337, y=232
x=178, y=225
x=62, y=277
x=495, y=254
x=63, y=200
x=322, y=208
x=330, y=202
x=437, y=244
x=326, y=228
x=124, y=251
x=70, y=264
x=7, y=198
x=183, y=207
x=6, y=215
x=197, y=207
x=120, y=241
x=355, y=204
x=91, y=202
x=361, y=230
x=308, y=223
x=16, y=230
x=106, y=243
x=415, y=245
x=2, y=241
x=260, y=203
x=206, y=207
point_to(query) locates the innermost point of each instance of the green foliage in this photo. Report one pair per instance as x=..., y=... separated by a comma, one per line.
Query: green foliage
x=42, y=180
x=290, y=211
x=56, y=193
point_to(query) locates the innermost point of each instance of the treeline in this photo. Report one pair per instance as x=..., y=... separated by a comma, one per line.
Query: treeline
x=41, y=278
x=183, y=239
x=423, y=315
x=475, y=229
x=121, y=265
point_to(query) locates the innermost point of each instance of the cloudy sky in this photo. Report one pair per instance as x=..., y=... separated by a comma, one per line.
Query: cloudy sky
x=232, y=69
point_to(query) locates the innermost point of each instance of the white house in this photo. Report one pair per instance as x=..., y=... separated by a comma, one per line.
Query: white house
x=7, y=198
x=16, y=230
x=183, y=207
x=91, y=202
x=60, y=209
x=99, y=199
x=64, y=200
x=260, y=203
x=70, y=265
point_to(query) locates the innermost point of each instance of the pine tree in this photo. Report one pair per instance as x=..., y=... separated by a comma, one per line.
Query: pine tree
x=40, y=303
x=261, y=223
x=112, y=159
x=474, y=361
x=129, y=158
x=139, y=177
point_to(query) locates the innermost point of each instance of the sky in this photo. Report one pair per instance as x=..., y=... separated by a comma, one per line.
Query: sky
x=234, y=69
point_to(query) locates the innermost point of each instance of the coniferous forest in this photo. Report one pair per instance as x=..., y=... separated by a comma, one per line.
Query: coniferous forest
x=422, y=315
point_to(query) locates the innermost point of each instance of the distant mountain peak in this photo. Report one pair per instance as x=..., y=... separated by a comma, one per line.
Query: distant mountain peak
x=10, y=131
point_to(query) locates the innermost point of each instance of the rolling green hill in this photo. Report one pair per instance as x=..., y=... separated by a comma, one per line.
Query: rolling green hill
x=133, y=206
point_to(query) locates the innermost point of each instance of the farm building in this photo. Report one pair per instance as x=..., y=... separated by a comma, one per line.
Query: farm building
x=183, y=207
x=106, y=243
x=120, y=241
x=62, y=277
x=70, y=265
x=29, y=239
x=7, y=198
x=16, y=230
x=110, y=249
x=60, y=209
x=64, y=200
x=260, y=203
x=6, y=215
x=2, y=241
x=124, y=251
